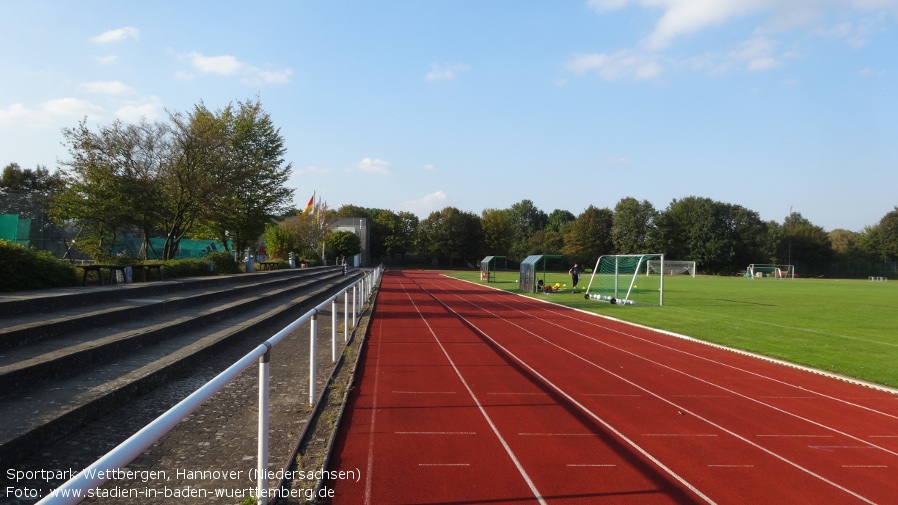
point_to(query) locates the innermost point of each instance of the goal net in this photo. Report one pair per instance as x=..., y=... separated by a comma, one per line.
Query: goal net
x=671, y=267
x=760, y=271
x=625, y=279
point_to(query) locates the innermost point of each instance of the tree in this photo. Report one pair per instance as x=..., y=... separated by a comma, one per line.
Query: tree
x=189, y=189
x=250, y=178
x=698, y=229
x=526, y=220
x=452, y=234
x=590, y=235
x=397, y=232
x=112, y=182
x=498, y=233
x=631, y=229
x=804, y=244
x=27, y=193
x=343, y=243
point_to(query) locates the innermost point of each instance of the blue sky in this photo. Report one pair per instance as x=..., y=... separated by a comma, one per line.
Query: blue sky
x=419, y=105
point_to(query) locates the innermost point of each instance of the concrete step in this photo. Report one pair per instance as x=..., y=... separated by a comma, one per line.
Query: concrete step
x=54, y=386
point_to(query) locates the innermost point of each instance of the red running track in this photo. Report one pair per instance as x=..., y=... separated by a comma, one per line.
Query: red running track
x=471, y=395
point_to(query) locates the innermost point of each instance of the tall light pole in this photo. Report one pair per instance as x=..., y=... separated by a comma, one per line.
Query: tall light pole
x=790, y=242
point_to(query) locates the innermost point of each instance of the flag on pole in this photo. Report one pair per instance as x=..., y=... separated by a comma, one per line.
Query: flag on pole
x=309, y=206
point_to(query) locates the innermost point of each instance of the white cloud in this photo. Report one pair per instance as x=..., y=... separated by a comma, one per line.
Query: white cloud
x=229, y=65
x=684, y=17
x=426, y=204
x=624, y=64
x=756, y=54
x=106, y=60
x=148, y=108
x=48, y=113
x=445, y=71
x=117, y=35
x=430, y=168
x=221, y=65
x=70, y=107
x=18, y=114
x=374, y=166
x=108, y=88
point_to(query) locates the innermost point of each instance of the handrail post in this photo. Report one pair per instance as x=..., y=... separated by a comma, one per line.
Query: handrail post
x=346, y=316
x=313, y=332
x=354, y=310
x=334, y=330
x=264, y=395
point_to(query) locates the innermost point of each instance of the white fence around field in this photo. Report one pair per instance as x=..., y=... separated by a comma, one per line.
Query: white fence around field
x=95, y=475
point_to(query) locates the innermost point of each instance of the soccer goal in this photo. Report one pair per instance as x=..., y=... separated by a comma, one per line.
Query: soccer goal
x=626, y=280
x=757, y=271
x=671, y=267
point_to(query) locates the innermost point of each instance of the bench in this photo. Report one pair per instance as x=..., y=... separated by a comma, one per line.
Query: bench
x=144, y=269
x=147, y=268
x=269, y=265
x=99, y=269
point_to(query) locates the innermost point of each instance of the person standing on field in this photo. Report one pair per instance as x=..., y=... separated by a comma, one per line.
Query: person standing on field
x=575, y=275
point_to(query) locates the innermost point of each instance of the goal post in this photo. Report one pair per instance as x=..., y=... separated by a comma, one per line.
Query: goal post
x=671, y=267
x=626, y=280
x=765, y=271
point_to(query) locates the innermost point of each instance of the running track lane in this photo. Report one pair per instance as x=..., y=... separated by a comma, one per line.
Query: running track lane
x=470, y=395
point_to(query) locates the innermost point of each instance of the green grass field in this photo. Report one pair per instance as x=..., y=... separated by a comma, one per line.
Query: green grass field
x=849, y=327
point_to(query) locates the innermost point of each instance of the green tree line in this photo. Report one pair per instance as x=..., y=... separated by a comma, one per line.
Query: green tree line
x=721, y=238
x=222, y=174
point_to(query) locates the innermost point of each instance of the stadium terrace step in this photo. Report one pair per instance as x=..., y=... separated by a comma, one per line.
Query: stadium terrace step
x=110, y=351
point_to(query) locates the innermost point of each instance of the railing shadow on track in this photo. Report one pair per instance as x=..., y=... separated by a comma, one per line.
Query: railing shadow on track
x=95, y=475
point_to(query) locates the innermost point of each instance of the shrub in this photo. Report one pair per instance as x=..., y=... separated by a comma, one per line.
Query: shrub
x=224, y=263
x=22, y=269
x=188, y=267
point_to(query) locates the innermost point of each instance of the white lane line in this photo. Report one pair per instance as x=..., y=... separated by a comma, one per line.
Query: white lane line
x=434, y=432
x=794, y=436
x=444, y=464
x=424, y=392
x=558, y=434
x=370, y=472
x=572, y=400
x=598, y=465
x=486, y=416
x=865, y=466
x=607, y=395
x=679, y=434
x=521, y=394
x=731, y=466
x=619, y=377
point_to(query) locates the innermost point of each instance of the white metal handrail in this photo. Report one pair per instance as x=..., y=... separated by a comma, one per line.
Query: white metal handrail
x=76, y=489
